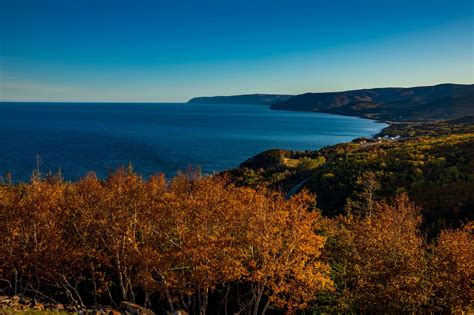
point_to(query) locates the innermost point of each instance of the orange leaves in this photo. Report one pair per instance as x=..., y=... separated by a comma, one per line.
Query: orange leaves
x=186, y=236
x=190, y=237
x=284, y=252
x=452, y=271
x=386, y=259
x=382, y=264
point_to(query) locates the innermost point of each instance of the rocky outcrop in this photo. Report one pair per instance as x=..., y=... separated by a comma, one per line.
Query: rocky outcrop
x=16, y=303
x=20, y=303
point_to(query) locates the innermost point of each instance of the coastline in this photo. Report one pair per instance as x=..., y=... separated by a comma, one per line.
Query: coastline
x=389, y=123
x=162, y=137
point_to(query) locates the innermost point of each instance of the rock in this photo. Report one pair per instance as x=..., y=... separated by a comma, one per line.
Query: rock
x=4, y=298
x=113, y=312
x=25, y=300
x=134, y=309
x=14, y=301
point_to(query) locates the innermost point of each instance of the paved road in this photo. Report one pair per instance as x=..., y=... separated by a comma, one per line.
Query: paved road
x=296, y=188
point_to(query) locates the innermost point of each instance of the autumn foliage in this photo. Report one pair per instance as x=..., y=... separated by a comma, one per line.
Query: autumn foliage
x=165, y=244
x=452, y=271
x=382, y=264
x=206, y=246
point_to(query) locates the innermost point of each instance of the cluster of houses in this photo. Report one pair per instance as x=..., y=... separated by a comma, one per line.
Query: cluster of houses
x=377, y=139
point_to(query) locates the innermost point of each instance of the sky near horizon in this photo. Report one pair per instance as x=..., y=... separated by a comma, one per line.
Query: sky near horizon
x=165, y=50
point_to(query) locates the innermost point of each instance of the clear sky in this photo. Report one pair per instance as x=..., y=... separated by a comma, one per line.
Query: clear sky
x=145, y=50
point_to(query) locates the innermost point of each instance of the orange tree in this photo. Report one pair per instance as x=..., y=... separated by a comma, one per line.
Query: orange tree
x=452, y=272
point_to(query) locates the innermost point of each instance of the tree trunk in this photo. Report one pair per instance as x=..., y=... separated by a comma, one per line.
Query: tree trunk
x=265, y=308
x=123, y=290
x=170, y=303
x=258, y=299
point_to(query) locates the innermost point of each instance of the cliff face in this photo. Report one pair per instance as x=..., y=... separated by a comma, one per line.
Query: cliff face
x=442, y=101
x=257, y=99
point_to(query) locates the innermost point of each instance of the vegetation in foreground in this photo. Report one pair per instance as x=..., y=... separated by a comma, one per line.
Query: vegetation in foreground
x=187, y=243
x=207, y=246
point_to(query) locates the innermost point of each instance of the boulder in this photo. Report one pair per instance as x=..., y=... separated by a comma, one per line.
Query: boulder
x=134, y=309
x=14, y=301
x=5, y=300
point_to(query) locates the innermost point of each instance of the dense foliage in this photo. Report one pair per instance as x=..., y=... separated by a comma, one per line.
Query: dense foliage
x=381, y=263
x=432, y=162
x=207, y=246
x=165, y=244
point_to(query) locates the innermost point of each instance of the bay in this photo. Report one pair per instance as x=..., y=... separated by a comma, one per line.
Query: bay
x=157, y=137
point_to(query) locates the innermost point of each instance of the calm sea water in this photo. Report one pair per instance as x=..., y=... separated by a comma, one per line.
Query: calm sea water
x=82, y=137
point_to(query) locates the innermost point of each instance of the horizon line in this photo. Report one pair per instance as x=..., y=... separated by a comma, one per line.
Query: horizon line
x=229, y=95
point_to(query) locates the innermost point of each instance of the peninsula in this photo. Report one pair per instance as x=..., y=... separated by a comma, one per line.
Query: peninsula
x=425, y=103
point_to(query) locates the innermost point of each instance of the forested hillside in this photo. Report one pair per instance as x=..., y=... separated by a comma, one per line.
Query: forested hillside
x=432, y=162
x=442, y=101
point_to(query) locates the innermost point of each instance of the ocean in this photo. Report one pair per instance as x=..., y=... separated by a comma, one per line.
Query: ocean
x=157, y=137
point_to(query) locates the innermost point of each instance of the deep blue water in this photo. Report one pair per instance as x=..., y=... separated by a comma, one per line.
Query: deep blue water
x=82, y=137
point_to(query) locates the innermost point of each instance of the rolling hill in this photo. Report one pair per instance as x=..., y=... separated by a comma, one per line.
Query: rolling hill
x=444, y=101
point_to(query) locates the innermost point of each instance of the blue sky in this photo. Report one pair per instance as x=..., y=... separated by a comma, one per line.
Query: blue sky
x=145, y=50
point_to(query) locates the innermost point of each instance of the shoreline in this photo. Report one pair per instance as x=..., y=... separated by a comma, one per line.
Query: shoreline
x=389, y=123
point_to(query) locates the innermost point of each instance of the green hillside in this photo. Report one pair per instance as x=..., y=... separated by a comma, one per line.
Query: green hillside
x=433, y=162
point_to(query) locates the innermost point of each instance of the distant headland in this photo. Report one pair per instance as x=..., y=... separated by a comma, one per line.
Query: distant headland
x=255, y=99
x=443, y=101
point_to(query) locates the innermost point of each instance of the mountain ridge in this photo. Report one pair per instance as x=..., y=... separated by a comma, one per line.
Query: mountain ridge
x=424, y=103
x=438, y=102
